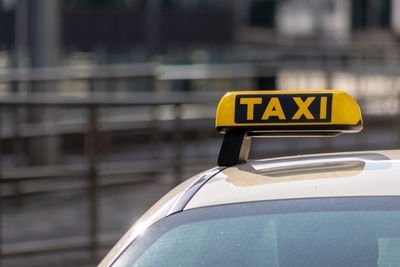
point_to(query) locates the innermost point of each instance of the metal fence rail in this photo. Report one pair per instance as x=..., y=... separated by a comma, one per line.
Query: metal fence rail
x=92, y=170
x=92, y=130
x=15, y=131
x=163, y=72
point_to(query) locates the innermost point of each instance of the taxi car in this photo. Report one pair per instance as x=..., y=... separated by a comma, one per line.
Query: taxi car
x=338, y=209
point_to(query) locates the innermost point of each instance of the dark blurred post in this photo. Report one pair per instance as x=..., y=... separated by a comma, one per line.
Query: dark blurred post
x=91, y=145
x=44, y=26
x=178, y=141
x=21, y=34
x=20, y=60
x=268, y=81
x=240, y=10
x=374, y=7
x=152, y=26
x=1, y=195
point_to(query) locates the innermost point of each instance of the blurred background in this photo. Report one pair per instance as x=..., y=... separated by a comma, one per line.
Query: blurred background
x=105, y=105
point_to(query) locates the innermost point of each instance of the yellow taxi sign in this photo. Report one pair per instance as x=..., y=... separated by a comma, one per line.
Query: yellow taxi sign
x=305, y=112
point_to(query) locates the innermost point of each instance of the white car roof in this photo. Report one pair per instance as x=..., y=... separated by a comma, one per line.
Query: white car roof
x=371, y=173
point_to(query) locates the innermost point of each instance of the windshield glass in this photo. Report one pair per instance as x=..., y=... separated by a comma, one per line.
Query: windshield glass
x=311, y=232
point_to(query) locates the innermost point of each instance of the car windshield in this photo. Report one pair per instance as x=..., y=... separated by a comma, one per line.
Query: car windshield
x=359, y=231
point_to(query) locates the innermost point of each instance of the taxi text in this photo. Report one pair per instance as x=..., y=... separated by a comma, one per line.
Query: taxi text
x=275, y=108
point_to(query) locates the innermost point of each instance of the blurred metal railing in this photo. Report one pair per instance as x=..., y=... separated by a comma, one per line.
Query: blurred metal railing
x=196, y=71
x=92, y=129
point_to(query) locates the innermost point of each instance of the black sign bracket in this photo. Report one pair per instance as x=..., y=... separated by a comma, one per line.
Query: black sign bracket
x=235, y=148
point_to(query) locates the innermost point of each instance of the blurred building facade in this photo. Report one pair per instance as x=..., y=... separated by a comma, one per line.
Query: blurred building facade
x=93, y=32
x=160, y=26
x=286, y=35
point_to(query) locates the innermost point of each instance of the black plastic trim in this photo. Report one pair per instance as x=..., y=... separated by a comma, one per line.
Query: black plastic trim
x=234, y=149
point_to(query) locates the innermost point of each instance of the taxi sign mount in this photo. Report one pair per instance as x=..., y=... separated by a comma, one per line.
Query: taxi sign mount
x=241, y=115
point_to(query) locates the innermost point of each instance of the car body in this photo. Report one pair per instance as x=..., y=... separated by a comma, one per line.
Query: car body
x=338, y=209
